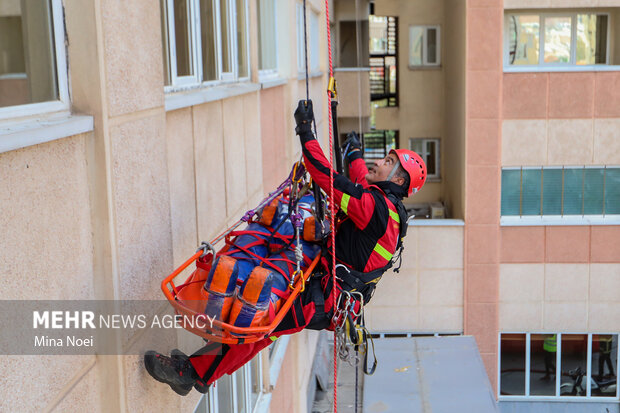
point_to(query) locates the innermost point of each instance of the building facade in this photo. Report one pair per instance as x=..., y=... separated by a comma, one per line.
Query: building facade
x=514, y=106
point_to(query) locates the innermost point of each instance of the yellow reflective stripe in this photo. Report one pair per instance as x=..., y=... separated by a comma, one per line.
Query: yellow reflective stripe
x=273, y=338
x=383, y=252
x=394, y=216
x=344, y=203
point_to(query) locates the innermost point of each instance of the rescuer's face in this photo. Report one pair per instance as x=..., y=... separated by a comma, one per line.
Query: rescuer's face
x=381, y=170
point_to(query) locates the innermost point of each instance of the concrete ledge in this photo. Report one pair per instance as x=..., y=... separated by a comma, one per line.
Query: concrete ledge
x=34, y=132
x=436, y=223
x=192, y=97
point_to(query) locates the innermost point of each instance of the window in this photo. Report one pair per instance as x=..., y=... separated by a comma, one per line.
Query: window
x=424, y=46
x=567, y=366
x=312, y=26
x=33, y=75
x=561, y=191
x=428, y=149
x=557, y=39
x=205, y=41
x=267, y=39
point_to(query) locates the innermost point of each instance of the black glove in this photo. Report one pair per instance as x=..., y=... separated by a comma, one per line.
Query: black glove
x=304, y=115
x=352, y=146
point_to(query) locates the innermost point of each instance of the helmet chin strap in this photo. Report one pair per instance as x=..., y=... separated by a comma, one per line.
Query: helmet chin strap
x=394, y=169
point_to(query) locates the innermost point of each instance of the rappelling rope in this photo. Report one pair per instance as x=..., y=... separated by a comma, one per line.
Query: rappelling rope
x=331, y=175
x=331, y=198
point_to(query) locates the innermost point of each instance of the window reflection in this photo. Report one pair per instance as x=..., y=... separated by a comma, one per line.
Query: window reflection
x=543, y=348
x=524, y=40
x=574, y=364
x=27, y=53
x=557, y=39
x=512, y=365
x=604, y=365
x=591, y=39
x=182, y=38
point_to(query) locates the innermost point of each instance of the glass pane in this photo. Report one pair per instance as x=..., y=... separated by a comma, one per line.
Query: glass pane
x=182, y=38
x=512, y=365
x=256, y=379
x=523, y=40
x=224, y=32
x=208, y=40
x=267, y=35
x=591, y=39
x=511, y=191
x=612, y=191
x=573, y=191
x=242, y=39
x=604, y=364
x=531, y=192
x=313, y=26
x=431, y=150
x=224, y=394
x=27, y=54
x=574, y=364
x=378, y=34
x=431, y=41
x=552, y=192
x=164, y=40
x=543, y=351
x=557, y=39
x=416, y=45
x=241, y=390
x=593, y=191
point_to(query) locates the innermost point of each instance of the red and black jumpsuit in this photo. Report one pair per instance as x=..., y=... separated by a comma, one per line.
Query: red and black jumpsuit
x=366, y=240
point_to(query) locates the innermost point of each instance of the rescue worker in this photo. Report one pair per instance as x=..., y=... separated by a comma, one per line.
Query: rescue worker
x=604, y=355
x=371, y=224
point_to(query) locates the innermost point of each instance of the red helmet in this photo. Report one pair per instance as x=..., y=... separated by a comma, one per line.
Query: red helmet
x=415, y=167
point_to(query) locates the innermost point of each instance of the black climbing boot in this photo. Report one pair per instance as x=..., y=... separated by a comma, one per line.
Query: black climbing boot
x=200, y=385
x=177, y=373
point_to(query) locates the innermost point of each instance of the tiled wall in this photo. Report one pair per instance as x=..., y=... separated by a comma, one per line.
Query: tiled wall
x=427, y=294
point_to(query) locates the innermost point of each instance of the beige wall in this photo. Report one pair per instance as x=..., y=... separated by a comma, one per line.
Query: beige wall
x=421, y=111
x=559, y=297
x=427, y=294
x=453, y=143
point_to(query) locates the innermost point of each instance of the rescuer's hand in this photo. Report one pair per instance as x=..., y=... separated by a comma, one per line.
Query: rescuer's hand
x=352, y=143
x=304, y=115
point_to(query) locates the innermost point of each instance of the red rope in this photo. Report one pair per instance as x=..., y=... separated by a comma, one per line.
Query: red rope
x=331, y=200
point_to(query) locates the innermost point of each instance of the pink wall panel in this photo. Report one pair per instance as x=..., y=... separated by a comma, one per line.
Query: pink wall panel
x=605, y=246
x=523, y=244
x=525, y=95
x=571, y=95
x=607, y=95
x=568, y=244
x=273, y=138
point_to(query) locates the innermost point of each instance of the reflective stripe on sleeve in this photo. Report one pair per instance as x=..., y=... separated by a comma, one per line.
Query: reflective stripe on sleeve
x=344, y=203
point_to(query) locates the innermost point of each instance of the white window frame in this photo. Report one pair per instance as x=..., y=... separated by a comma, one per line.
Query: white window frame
x=185, y=82
x=558, y=363
x=266, y=74
x=426, y=153
x=62, y=104
x=314, y=61
x=542, y=66
x=425, y=62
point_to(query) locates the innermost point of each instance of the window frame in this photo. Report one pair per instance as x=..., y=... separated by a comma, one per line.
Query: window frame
x=437, y=141
x=542, y=66
x=271, y=73
x=425, y=62
x=63, y=103
x=196, y=81
x=557, y=397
